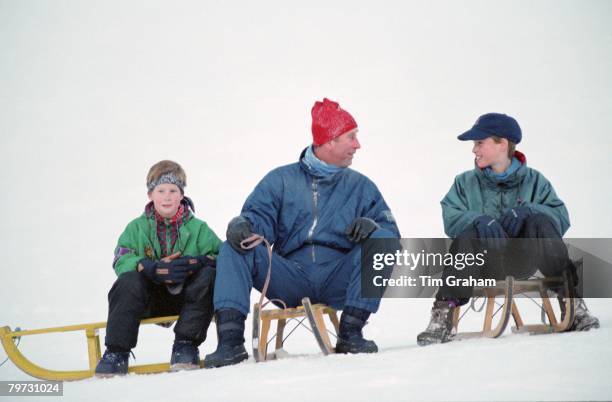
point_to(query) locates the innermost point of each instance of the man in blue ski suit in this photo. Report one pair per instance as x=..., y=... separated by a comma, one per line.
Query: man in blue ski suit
x=315, y=212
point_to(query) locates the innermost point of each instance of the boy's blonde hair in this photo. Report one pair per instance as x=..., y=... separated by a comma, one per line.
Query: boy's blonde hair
x=511, y=145
x=166, y=172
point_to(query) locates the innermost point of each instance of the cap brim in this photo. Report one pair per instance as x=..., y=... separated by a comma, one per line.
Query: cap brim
x=473, y=135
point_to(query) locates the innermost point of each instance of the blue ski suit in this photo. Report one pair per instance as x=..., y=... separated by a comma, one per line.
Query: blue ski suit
x=305, y=217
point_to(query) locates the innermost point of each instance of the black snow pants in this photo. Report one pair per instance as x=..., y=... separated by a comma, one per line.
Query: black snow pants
x=134, y=297
x=545, y=251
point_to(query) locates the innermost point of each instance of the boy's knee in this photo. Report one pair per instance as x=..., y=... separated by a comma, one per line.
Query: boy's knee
x=469, y=233
x=203, y=279
x=129, y=283
x=541, y=223
x=130, y=280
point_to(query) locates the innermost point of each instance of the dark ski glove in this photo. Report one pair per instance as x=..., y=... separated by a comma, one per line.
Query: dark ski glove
x=161, y=272
x=187, y=262
x=513, y=220
x=490, y=229
x=360, y=229
x=194, y=262
x=237, y=230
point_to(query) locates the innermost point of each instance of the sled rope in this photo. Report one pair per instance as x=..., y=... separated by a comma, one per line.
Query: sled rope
x=473, y=304
x=300, y=322
x=472, y=307
x=251, y=242
x=542, y=310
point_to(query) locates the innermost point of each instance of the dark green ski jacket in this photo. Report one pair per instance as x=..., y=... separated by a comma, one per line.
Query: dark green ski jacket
x=474, y=194
x=139, y=240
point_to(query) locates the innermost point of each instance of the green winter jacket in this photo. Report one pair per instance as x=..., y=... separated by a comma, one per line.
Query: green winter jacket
x=474, y=194
x=139, y=240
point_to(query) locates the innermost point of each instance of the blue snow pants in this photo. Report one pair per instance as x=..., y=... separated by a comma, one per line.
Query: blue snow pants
x=336, y=281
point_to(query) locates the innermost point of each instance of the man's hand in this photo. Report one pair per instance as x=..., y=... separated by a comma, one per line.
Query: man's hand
x=513, y=220
x=238, y=230
x=360, y=229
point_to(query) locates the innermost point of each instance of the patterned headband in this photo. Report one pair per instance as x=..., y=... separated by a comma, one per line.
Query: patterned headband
x=166, y=178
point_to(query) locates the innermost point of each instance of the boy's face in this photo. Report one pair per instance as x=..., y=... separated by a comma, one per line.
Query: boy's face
x=488, y=152
x=166, y=199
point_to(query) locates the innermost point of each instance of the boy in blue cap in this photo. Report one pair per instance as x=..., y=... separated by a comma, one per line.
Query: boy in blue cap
x=500, y=198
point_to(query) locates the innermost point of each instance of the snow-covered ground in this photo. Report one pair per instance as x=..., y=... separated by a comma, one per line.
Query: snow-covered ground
x=573, y=366
x=93, y=93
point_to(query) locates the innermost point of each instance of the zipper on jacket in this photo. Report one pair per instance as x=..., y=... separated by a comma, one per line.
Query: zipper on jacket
x=315, y=196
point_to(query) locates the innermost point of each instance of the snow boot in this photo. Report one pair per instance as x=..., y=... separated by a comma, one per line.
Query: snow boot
x=583, y=320
x=112, y=364
x=185, y=356
x=230, y=331
x=350, y=338
x=440, y=328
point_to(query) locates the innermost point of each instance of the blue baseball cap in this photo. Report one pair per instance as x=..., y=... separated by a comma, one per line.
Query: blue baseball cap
x=497, y=124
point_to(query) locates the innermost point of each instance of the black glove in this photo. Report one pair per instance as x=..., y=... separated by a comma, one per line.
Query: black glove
x=160, y=272
x=513, y=220
x=196, y=262
x=187, y=262
x=491, y=230
x=360, y=229
x=237, y=230
x=207, y=261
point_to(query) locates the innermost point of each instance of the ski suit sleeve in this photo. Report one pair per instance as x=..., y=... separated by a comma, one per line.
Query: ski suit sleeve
x=545, y=201
x=208, y=242
x=126, y=254
x=380, y=213
x=263, y=205
x=455, y=211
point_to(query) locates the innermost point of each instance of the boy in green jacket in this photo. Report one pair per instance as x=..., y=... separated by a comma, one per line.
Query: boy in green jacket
x=501, y=198
x=165, y=265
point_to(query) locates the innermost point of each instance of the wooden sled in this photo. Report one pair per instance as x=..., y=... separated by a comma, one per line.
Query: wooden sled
x=93, y=348
x=541, y=286
x=489, y=330
x=262, y=320
x=510, y=289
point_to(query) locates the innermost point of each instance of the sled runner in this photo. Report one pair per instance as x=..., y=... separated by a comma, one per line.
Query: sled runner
x=489, y=330
x=541, y=287
x=262, y=320
x=8, y=338
x=509, y=289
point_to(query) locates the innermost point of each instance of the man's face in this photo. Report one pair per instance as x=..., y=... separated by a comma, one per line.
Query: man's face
x=488, y=152
x=342, y=149
x=166, y=199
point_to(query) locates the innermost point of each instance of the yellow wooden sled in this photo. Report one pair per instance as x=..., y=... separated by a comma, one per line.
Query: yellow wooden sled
x=93, y=348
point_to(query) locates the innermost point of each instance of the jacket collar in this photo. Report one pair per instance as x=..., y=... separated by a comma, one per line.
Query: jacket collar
x=315, y=174
x=511, y=181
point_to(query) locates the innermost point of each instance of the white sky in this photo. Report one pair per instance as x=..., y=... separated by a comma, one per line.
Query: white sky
x=93, y=93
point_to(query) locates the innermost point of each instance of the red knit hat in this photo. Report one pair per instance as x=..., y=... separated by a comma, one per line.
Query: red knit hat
x=329, y=121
